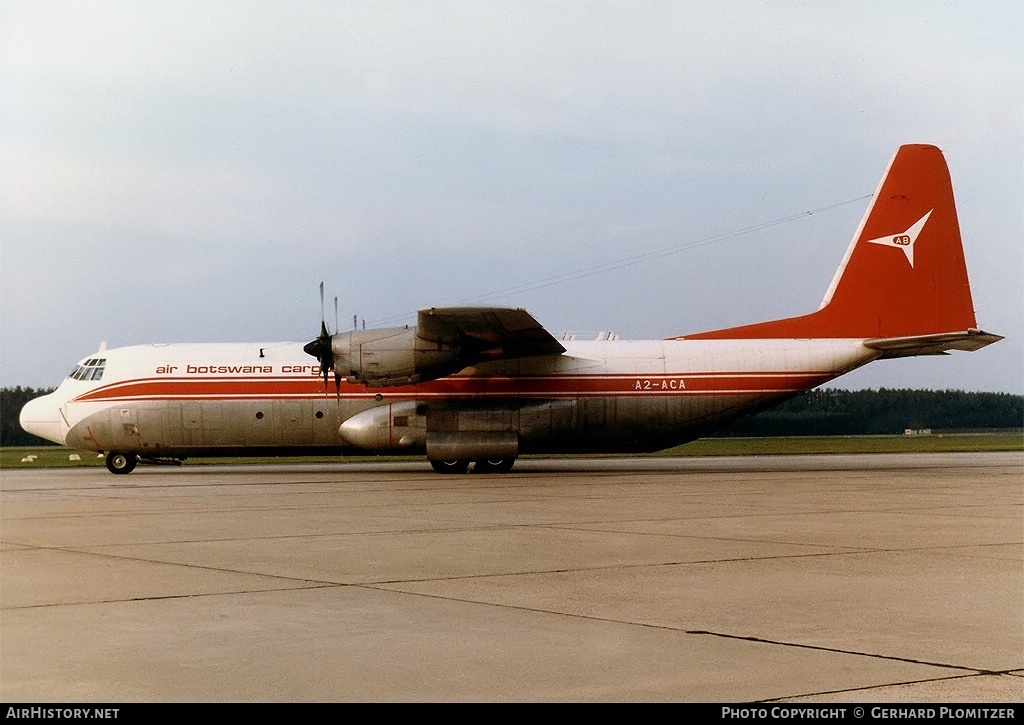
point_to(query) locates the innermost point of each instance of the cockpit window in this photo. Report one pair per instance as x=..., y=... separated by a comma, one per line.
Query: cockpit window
x=91, y=369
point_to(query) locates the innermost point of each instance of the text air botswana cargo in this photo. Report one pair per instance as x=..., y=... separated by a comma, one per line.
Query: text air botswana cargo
x=482, y=385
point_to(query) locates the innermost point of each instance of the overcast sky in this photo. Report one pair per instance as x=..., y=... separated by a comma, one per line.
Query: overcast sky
x=190, y=171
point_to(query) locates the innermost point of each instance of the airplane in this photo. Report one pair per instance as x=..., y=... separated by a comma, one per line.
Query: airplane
x=482, y=385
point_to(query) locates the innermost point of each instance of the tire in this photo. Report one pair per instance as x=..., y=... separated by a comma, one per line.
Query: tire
x=121, y=463
x=494, y=465
x=458, y=466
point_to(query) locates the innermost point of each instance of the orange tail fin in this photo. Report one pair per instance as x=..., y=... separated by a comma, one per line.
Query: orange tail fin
x=904, y=272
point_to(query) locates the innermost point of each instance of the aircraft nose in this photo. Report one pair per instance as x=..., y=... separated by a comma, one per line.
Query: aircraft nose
x=41, y=417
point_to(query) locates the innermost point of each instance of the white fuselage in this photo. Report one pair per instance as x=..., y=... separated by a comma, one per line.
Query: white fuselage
x=179, y=400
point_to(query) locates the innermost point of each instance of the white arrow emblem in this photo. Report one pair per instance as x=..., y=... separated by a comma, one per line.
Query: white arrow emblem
x=904, y=241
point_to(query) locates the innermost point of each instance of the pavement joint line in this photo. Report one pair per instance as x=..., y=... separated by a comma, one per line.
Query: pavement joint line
x=699, y=632
x=761, y=640
x=887, y=685
x=94, y=551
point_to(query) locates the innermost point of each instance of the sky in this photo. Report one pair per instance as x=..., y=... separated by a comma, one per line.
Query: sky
x=191, y=171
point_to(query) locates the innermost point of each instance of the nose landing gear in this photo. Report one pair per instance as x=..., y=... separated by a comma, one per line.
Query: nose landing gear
x=121, y=462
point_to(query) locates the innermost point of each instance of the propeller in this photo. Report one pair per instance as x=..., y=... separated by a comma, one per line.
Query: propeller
x=320, y=348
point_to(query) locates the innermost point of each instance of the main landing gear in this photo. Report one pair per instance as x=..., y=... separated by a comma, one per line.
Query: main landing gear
x=484, y=465
x=494, y=465
x=121, y=462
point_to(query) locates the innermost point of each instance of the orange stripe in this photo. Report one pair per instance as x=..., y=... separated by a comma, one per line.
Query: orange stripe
x=718, y=383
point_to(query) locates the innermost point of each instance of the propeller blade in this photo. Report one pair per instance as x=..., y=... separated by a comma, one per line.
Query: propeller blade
x=323, y=316
x=320, y=348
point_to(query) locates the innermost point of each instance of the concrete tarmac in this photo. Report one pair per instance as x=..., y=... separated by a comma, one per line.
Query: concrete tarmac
x=866, y=578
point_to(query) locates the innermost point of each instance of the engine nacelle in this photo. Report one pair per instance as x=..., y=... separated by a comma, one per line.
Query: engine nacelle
x=392, y=356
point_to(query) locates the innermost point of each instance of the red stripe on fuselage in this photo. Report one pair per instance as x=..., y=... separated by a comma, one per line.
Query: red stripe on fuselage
x=539, y=386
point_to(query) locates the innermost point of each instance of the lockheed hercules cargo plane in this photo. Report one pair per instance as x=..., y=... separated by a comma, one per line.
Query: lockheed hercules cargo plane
x=484, y=384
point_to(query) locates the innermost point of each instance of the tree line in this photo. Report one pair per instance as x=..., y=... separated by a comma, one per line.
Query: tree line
x=883, y=411
x=816, y=412
x=11, y=402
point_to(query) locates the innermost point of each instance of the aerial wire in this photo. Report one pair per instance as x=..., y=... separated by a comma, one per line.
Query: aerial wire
x=622, y=263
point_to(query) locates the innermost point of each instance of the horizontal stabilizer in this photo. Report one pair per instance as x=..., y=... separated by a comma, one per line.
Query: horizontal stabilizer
x=940, y=344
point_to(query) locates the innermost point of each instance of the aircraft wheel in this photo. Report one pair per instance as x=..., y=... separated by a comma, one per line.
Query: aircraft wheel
x=458, y=466
x=494, y=465
x=121, y=462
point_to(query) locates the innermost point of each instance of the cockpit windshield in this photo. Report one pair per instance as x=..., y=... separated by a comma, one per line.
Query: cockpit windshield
x=91, y=369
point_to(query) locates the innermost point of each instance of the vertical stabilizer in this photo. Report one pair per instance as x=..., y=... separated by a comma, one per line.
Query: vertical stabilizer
x=904, y=273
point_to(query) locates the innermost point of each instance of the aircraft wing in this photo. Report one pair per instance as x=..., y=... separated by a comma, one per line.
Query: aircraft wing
x=487, y=333
x=938, y=344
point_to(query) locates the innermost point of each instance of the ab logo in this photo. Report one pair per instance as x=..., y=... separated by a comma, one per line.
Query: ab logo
x=904, y=241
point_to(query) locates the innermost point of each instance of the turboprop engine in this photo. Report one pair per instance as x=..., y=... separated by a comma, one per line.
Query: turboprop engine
x=392, y=356
x=444, y=341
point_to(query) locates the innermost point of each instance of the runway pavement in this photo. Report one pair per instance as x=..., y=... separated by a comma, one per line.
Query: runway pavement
x=868, y=578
